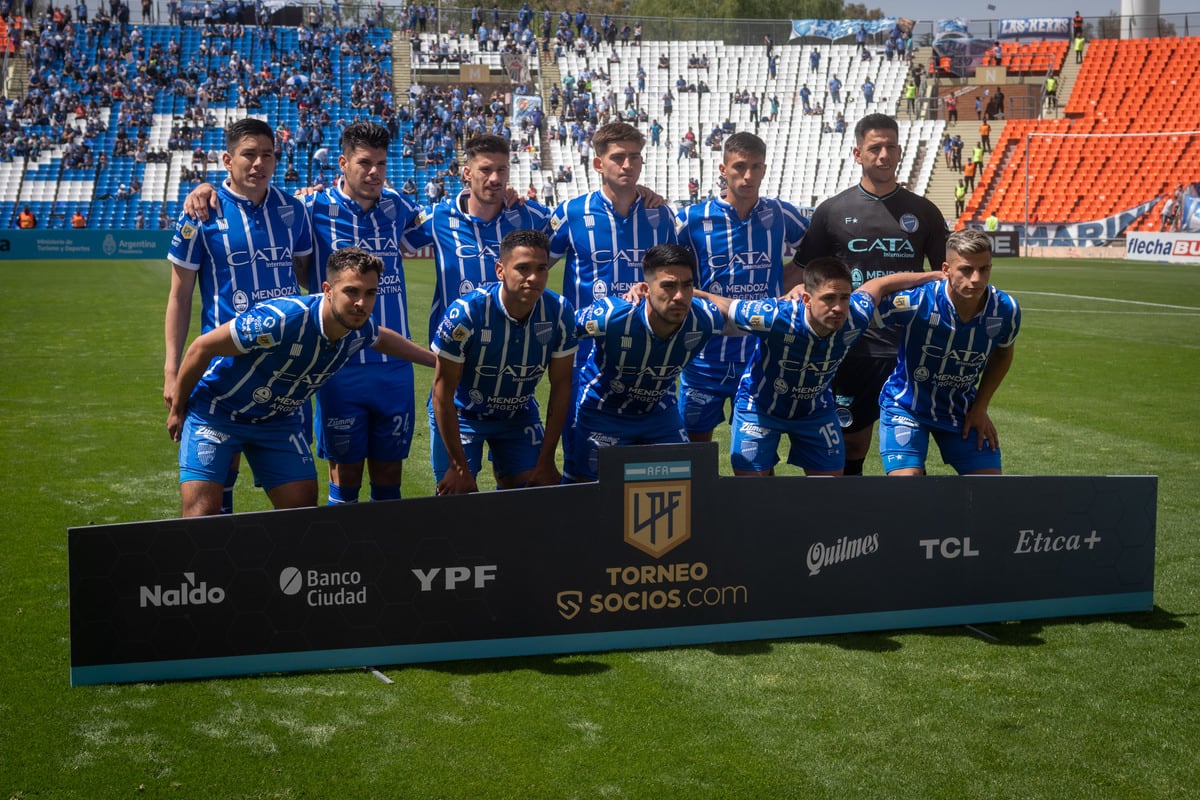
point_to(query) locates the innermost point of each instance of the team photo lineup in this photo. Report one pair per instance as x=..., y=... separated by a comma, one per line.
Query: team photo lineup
x=667, y=325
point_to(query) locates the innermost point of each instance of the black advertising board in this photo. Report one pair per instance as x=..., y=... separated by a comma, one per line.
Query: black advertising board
x=660, y=552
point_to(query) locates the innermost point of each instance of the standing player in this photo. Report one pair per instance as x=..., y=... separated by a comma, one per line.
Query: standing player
x=877, y=228
x=493, y=347
x=366, y=412
x=957, y=347
x=786, y=388
x=466, y=234
x=739, y=241
x=240, y=385
x=604, y=236
x=254, y=249
x=627, y=385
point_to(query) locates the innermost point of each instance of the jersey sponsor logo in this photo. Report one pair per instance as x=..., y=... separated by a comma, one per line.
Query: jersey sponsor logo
x=476, y=397
x=780, y=386
x=749, y=260
x=599, y=290
x=262, y=395
x=340, y=423
x=471, y=250
x=271, y=294
x=211, y=434
x=519, y=373
x=240, y=301
x=921, y=374
x=377, y=245
x=909, y=223
x=966, y=358
x=628, y=257
x=276, y=257
x=886, y=246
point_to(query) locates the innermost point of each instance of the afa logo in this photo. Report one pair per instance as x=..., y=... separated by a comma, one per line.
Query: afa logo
x=109, y=245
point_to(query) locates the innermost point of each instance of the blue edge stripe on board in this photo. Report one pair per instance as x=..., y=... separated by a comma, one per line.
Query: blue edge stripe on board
x=611, y=640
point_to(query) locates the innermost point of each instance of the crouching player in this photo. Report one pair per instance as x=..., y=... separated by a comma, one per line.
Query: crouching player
x=240, y=385
x=786, y=387
x=493, y=345
x=957, y=347
x=627, y=389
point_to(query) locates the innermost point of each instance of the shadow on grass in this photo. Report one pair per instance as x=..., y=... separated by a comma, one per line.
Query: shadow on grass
x=564, y=665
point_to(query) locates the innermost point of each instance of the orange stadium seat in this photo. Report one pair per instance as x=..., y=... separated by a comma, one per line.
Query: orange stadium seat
x=1124, y=87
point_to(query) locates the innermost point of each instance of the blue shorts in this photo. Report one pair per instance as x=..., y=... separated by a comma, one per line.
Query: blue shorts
x=513, y=444
x=703, y=389
x=366, y=411
x=815, y=442
x=904, y=444
x=277, y=452
x=594, y=430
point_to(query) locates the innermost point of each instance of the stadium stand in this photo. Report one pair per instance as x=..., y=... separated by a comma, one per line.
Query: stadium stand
x=1142, y=86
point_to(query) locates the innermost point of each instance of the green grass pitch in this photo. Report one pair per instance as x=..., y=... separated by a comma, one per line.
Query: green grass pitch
x=1105, y=381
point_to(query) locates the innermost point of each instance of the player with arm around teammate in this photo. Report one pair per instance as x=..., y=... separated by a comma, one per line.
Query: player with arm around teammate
x=240, y=385
x=493, y=346
x=627, y=387
x=877, y=228
x=957, y=346
x=786, y=387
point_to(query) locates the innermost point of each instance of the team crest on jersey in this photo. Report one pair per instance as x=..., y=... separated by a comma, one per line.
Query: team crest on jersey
x=921, y=374
x=513, y=215
x=992, y=326
x=287, y=214
x=240, y=301
x=616, y=387
x=780, y=386
x=599, y=290
x=188, y=230
x=262, y=395
x=465, y=287
x=206, y=453
x=691, y=339
x=355, y=346
x=388, y=206
x=766, y=215
x=542, y=331
x=716, y=288
x=909, y=222
x=476, y=397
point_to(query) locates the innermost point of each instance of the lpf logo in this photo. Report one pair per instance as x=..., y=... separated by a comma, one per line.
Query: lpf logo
x=658, y=506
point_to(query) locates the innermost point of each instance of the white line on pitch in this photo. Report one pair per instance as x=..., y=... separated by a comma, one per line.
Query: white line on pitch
x=1109, y=300
x=1110, y=313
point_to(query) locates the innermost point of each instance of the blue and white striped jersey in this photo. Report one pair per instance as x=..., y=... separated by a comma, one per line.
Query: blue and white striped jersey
x=604, y=251
x=942, y=357
x=791, y=372
x=339, y=222
x=285, y=357
x=502, y=359
x=630, y=370
x=740, y=259
x=466, y=248
x=243, y=253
